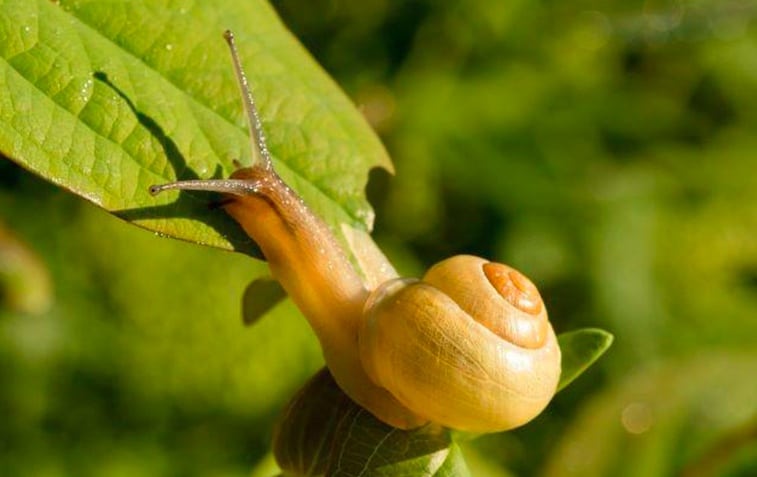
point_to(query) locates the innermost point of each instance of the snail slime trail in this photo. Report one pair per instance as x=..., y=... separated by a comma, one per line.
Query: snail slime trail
x=469, y=346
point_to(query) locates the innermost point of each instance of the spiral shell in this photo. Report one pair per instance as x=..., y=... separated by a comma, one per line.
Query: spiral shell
x=466, y=348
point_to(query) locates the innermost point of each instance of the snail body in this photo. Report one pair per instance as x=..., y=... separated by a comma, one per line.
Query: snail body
x=469, y=346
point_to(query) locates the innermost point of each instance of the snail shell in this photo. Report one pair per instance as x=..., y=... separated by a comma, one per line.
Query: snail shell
x=431, y=344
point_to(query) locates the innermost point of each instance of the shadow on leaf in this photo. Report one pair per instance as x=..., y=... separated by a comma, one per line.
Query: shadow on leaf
x=188, y=205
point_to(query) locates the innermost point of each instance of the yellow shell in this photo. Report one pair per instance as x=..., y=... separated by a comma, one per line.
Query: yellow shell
x=424, y=346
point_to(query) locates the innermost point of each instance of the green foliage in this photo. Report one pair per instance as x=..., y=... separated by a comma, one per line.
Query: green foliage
x=142, y=365
x=689, y=417
x=102, y=165
x=106, y=112
x=606, y=149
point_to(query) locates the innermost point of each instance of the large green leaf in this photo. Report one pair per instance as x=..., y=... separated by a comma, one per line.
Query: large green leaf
x=108, y=98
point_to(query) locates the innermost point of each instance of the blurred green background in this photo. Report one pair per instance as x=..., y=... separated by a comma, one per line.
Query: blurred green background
x=608, y=150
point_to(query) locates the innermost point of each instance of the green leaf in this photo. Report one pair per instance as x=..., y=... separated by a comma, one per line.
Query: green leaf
x=580, y=348
x=323, y=432
x=259, y=297
x=108, y=98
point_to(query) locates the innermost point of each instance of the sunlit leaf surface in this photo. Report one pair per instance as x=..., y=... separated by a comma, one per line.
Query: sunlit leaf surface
x=106, y=99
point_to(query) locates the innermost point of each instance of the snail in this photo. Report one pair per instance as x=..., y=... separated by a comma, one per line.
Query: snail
x=469, y=346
